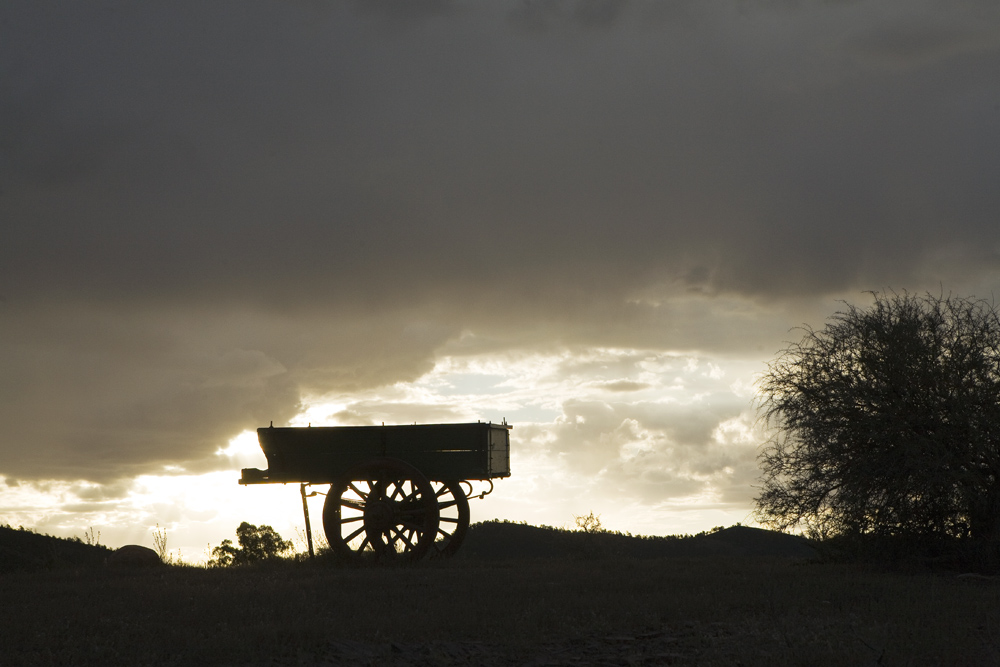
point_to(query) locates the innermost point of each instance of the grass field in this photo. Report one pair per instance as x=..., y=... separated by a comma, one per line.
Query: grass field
x=554, y=611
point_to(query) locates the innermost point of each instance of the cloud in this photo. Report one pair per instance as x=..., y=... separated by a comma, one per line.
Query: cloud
x=102, y=393
x=929, y=37
x=623, y=385
x=212, y=215
x=547, y=15
x=595, y=186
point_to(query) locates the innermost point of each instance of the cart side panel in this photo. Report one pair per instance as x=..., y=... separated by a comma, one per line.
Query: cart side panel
x=439, y=451
x=452, y=451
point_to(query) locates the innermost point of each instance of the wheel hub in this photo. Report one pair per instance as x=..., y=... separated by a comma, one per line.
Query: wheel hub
x=398, y=511
x=380, y=516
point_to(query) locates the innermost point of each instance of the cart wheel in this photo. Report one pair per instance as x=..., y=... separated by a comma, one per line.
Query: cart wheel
x=382, y=510
x=453, y=506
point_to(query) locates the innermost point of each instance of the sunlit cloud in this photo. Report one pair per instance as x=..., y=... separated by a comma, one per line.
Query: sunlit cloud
x=600, y=426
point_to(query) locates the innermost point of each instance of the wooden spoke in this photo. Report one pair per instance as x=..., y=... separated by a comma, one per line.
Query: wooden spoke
x=402, y=537
x=453, y=522
x=355, y=534
x=411, y=525
x=353, y=504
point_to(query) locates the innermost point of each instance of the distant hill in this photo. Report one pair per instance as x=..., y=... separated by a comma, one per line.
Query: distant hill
x=24, y=550
x=493, y=540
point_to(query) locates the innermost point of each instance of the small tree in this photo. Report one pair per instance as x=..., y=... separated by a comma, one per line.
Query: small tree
x=590, y=523
x=223, y=555
x=887, y=422
x=257, y=543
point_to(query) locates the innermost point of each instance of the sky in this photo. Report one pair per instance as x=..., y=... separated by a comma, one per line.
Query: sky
x=596, y=219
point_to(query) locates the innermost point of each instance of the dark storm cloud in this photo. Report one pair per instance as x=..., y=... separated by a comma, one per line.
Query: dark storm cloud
x=260, y=141
x=545, y=15
x=209, y=209
x=924, y=38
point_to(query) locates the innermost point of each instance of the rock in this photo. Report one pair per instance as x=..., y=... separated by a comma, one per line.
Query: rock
x=133, y=556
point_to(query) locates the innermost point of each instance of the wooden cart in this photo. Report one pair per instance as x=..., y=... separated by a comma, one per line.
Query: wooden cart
x=396, y=492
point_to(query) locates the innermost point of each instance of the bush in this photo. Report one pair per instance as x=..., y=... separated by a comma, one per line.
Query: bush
x=886, y=426
x=257, y=543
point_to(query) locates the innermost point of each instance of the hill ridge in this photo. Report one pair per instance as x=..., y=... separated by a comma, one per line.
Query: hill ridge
x=22, y=549
x=493, y=540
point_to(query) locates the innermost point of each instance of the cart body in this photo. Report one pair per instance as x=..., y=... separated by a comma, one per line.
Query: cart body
x=324, y=454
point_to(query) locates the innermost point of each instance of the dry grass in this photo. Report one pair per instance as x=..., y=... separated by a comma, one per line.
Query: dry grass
x=622, y=611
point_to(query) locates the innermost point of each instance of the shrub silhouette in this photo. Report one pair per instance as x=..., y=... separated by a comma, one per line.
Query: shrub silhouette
x=589, y=523
x=886, y=426
x=24, y=550
x=160, y=544
x=257, y=543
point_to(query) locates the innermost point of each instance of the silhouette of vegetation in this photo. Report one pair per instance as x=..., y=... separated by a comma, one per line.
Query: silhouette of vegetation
x=91, y=538
x=886, y=426
x=26, y=550
x=591, y=523
x=257, y=543
x=160, y=544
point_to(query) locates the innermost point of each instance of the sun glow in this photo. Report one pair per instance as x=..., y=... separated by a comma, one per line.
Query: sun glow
x=243, y=449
